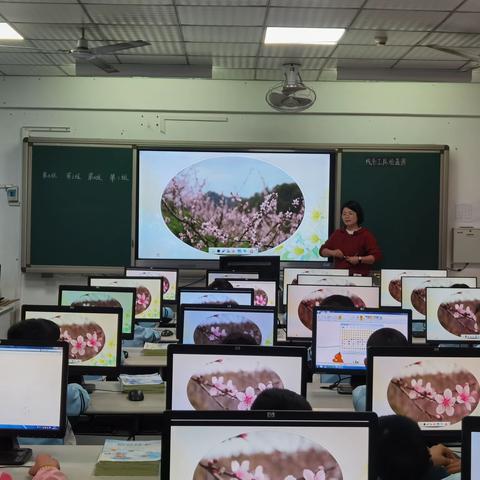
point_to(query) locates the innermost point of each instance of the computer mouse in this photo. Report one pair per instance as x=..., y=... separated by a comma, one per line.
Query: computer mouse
x=167, y=333
x=135, y=396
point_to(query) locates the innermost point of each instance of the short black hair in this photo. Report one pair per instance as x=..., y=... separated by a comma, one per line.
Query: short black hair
x=239, y=338
x=459, y=285
x=280, y=399
x=39, y=329
x=356, y=207
x=338, y=301
x=220, y=284
x=387, y=337
x=401, y=449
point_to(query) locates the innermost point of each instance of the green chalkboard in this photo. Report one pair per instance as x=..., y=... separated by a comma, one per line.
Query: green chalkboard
x=80, y=206
x=400, y=193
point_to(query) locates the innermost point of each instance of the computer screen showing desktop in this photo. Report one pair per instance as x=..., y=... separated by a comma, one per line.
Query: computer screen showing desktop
x=225, y=378
x=169, y=276
x=207, y=325
x=32, y=394
x=340, y=336
x=123, y=297
x=264, y=444
x=93, y=335
x=220, y=274
x=204, y=296
x=265, y=291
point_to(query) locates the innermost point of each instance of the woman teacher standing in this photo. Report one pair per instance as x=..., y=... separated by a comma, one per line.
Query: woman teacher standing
x=353, y=246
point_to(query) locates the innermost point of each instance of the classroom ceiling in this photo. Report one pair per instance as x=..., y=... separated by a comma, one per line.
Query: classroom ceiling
x=223, y=39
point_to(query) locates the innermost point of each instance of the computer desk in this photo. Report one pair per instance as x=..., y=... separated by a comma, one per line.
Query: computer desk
x=111, y=413
x=76, y=461
x=136, y=358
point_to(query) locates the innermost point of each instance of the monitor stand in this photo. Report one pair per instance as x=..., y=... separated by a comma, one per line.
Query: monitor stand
x=89, y=387
x=11, y=454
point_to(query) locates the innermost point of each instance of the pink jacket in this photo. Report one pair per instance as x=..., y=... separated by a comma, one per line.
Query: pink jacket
x=45, y=474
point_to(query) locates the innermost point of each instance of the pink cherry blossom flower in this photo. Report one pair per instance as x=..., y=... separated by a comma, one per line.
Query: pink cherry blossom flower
x=258, y=474
x=246, y=398
x=429, y=391
x=78, y=345
x=241, y=471
x=309, y=475
x=445, y=402
x=218, y=386
x=418, y=389
x=464, y=396
x=216, y=333
x=231, y=388
x=142, y=300
x=262, y=386
x=260, y=300
x=93, y=341
x=290, y=477
x=65, y=336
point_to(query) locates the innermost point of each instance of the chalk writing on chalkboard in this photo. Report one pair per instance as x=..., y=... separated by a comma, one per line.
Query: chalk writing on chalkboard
x=386, y=162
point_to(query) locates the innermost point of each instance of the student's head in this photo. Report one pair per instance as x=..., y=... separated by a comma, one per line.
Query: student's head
x=38, y=329
x=220, y=284
x=239, y=338
x=459, y=285
x=401, y=451
x=338, y=301
x=352, y=214
x=386, y=337
x=280, y=399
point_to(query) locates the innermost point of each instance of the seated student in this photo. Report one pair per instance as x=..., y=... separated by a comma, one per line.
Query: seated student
x=280, y=399
x=238, y=338
x=44, y=468
x=402, y=454
x=384, y=337
x=78, y=399
x=220, y=284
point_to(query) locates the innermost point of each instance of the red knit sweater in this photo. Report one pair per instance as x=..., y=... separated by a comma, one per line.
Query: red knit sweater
x=360, y=243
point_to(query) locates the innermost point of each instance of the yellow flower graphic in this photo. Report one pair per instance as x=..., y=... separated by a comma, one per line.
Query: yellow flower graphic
x=316, y=215
x=314, y=238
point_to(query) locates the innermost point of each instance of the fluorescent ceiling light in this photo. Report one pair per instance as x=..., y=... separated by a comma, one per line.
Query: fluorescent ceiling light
x=303, y=36
x=8, y=33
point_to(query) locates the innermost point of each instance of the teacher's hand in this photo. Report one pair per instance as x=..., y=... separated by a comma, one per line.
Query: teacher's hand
x=352, y=260
x=337, y=253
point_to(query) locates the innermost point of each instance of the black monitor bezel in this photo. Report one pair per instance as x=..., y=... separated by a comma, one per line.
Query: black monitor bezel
x=460, y=341
x=232, y=350
x=238, y=148
x=60, y=432
x=157, y=269
x=424, y=351
x=309, y=339
x=216, y=270
x=222, y=308
x=269, y=271
x=74, y=370
x=83, y=288
x=469, y=425
x=135, y=319
x=352, y=371
x=265, y=418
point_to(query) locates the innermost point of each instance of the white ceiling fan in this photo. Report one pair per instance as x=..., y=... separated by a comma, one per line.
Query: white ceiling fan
x=83, y=53
x=474, y=59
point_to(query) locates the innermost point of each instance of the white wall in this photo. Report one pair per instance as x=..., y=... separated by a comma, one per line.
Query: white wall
x=229, y=111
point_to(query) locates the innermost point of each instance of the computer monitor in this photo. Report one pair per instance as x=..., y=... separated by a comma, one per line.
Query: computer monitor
x=340, y=336
x=148, y=298
x=453, y=315
x=220, y=274
x=267, y=266
x=266, y=444
x=414, y=291
x=224, y=378
x=93, y=335
x=290, y=275
x=207, y=325
x=204, y=296
x=302, y=299
x=470, y=448
x=81, y=296
x=347, y=281
x=391, y=283
x=436, y=387
x=169, y=276
x=264, y=291
x=32, y=394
